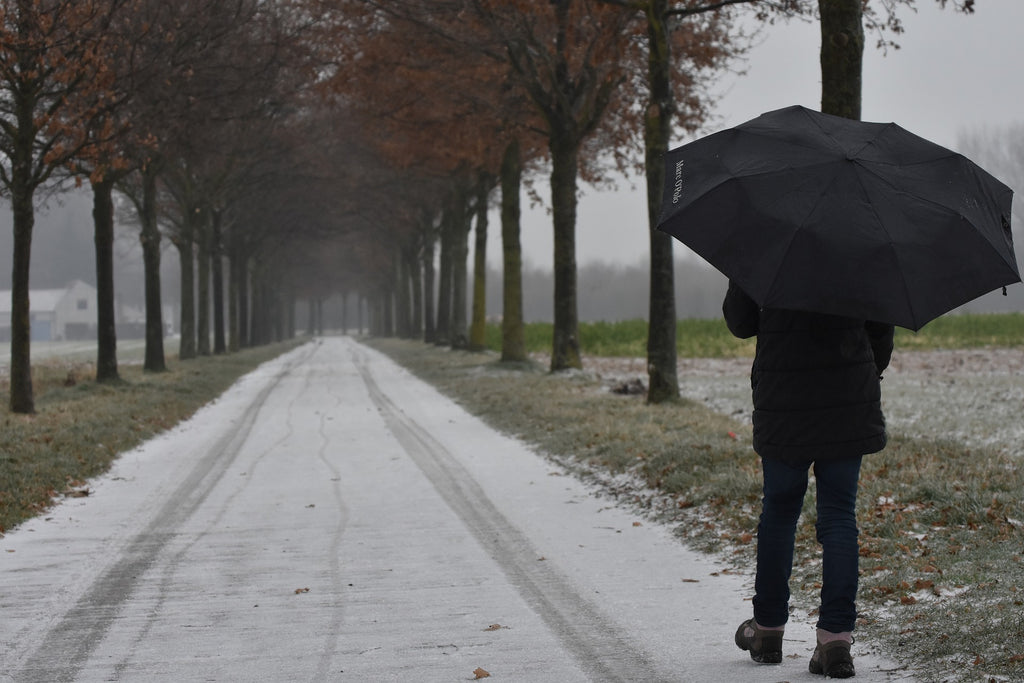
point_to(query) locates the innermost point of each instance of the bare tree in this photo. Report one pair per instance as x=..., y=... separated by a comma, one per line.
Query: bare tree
x=53, y=77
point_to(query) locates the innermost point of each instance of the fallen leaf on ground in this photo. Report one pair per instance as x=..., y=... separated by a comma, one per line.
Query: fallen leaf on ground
x=77, y=493
x=691, y=580
x=301, y=590
x=638, y=523
x=495, y=627
x=481, y=673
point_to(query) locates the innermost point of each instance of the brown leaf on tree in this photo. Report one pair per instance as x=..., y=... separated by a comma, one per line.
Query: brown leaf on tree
x=481, y=673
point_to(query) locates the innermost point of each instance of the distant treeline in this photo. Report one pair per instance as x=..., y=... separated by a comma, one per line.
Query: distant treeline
x=613, y=292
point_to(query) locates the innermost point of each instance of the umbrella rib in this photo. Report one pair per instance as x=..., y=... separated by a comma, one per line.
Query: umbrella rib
x=889, y=240
x=947, y=206
x=792, y=238
x=881, y=225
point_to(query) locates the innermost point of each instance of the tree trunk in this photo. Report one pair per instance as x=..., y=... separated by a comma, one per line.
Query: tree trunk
x=22, y=399
x=344, y=313
x=663, y=378
x=233, y=333
x=403, y=312
x=149, y=237
x=478, y=326
x=387, y=313
x=415, y=279
x=374, y=306
x=513, y=344
x=286, y=318
x=842, y=56
x=258, y=326
x=442, y=328
x=217, y=264
x=244, y=304
x=106, y=330
x=203, y=280
x=460, y=251
x=429, y=328
x=187, y=328
x=565, y=351
x=22, y=188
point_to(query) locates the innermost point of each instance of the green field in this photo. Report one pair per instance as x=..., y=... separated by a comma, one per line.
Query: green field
x=709, y=338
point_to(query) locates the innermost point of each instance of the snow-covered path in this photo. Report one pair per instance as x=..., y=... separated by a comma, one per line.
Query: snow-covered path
x=332, y=518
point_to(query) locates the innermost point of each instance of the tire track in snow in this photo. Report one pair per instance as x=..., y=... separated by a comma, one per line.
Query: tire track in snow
x=66, y=647
x=172, y=565
x=600, y=648
x=333, y=633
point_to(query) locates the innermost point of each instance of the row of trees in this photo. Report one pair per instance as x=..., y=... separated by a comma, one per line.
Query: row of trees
x=471, y=93
x=189, y=109
x=295, y=148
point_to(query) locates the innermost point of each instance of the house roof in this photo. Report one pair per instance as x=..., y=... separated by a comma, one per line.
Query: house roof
x=40, y=300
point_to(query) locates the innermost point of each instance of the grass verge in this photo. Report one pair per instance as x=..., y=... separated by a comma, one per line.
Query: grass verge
x=80, y=426
x=942, y=535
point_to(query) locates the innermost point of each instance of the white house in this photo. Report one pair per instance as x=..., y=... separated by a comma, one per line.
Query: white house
x=56, y=314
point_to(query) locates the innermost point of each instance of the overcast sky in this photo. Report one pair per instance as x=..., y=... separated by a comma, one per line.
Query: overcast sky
x=954, y=72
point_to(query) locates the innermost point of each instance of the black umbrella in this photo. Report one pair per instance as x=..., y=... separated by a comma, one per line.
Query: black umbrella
x=808, y=211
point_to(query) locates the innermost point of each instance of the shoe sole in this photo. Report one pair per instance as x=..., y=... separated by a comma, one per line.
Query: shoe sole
x=767, y=657
x=840, y=670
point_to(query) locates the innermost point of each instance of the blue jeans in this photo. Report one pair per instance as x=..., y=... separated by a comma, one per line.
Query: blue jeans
x=784, y=489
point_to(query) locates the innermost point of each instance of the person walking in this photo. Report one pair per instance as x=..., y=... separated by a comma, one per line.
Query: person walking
x=817, y=403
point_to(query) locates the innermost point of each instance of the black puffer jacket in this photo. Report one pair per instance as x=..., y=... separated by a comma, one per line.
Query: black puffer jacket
x=815, y=380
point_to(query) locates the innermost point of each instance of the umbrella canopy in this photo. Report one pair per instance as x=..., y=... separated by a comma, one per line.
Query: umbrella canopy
x=813, y=212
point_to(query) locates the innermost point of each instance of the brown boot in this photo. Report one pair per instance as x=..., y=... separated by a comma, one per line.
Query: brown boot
x=832, y=659
x=764, y=645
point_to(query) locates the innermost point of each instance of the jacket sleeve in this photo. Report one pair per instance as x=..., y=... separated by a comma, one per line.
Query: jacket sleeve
x=741, y=313
x=881, y=337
